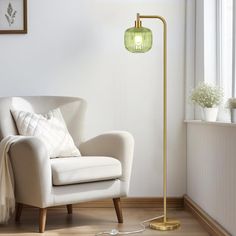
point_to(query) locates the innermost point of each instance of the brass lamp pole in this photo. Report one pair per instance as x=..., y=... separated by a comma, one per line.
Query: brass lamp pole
x=139, y=40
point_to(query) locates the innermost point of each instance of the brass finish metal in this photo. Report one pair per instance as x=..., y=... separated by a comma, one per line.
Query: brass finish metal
x=138, y=22
x=165, y=224
x=170, y=224
x=138, y=17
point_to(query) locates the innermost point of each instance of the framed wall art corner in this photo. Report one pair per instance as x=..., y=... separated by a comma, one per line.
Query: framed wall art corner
x=13, y=16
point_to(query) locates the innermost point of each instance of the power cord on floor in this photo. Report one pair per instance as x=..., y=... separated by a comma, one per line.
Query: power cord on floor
x=117, y=232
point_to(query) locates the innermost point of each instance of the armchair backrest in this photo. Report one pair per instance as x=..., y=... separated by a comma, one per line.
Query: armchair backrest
x=72, y=109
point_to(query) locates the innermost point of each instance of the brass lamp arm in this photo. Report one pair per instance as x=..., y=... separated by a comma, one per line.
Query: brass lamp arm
x=164, y=103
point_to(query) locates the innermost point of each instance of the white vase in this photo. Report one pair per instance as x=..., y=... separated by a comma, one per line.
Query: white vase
x=233, y=115
x=210, y=114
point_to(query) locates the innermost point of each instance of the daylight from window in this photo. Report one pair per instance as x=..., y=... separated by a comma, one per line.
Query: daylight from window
x=225, y=51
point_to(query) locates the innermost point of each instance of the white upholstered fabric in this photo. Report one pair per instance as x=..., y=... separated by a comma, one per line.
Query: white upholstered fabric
x=84, y=169
x=117, y=144
x=85, y=192
x=32, y=167
x=50, y=128
x=28, y=157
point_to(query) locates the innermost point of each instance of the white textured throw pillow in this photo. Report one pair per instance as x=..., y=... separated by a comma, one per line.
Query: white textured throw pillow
x=50, y=128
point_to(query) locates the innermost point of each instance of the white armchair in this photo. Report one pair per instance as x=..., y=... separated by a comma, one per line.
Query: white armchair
x=102, y=172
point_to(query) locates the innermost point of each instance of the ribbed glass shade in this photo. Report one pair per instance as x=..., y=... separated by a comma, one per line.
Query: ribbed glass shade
x=138, y=39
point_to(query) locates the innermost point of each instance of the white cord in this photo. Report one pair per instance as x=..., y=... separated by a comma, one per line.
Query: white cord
x=117, y=232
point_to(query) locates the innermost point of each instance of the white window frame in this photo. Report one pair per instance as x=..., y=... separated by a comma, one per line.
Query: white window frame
x=219, y=78
x=218, y=42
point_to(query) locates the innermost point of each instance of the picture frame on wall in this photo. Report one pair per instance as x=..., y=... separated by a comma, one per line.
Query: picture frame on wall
x=13, y=16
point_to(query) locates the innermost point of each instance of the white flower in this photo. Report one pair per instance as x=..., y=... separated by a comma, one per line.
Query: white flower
x=206, y=95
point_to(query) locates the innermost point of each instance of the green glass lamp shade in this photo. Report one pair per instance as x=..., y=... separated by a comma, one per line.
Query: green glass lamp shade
x=138, y=39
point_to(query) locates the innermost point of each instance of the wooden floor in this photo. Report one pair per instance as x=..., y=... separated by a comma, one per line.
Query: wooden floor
x=89, y=221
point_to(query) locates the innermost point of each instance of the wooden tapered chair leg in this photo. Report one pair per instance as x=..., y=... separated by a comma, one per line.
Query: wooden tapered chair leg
x=42, y=219
x=69, y=208
x=19, y=207
x=118, y=209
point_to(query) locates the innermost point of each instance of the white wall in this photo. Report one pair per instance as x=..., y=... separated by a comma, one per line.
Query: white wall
x=211, y=172
x=76, y=48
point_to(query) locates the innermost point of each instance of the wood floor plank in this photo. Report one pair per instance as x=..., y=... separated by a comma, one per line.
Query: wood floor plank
x=89, y=221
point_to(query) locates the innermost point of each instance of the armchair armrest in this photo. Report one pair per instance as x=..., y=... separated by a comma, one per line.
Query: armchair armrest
x=118, y=144
x=32, y=171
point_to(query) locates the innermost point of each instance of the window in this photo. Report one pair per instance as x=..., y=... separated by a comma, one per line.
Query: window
x=214, y=44
x=225, y=47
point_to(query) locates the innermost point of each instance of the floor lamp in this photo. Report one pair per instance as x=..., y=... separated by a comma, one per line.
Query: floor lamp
x=139, y=40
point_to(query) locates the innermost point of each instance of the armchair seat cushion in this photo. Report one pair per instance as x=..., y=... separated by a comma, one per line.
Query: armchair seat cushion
x=75, y=170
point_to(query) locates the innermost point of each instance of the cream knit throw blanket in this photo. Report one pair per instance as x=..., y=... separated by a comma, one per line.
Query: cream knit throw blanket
x=7, y=198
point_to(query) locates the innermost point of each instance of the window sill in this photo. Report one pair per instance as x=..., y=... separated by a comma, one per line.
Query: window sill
x=217, y=123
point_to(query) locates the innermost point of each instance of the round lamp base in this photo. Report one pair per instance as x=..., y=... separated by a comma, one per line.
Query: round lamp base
x=170, y=224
